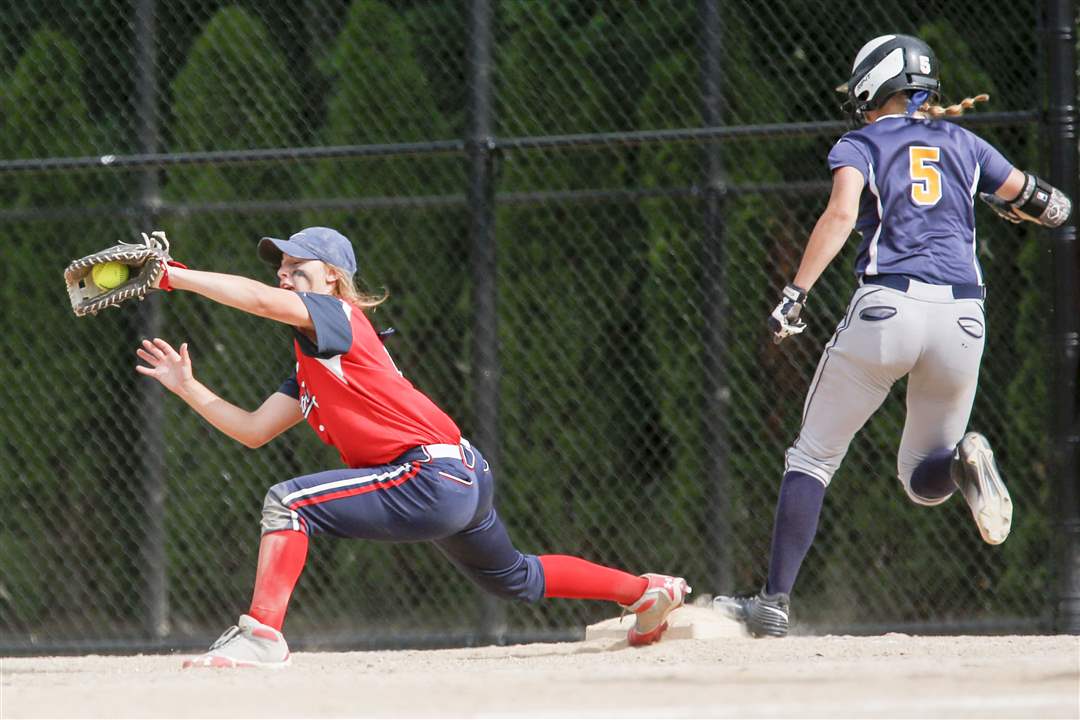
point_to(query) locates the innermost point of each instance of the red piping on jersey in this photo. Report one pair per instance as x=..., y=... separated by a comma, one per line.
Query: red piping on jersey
x=358, y=490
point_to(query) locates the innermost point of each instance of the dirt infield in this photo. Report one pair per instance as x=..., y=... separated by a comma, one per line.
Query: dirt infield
x=895, y=676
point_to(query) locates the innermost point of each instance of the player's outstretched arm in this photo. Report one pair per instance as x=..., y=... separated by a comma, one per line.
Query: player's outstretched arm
x=244, y=294
x=172, y=369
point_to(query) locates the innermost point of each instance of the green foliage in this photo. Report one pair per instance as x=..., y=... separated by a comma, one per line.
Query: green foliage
x=1026, y=442
x=43, y=113
x=61, y=449
x=234, y=92
x=439, y=33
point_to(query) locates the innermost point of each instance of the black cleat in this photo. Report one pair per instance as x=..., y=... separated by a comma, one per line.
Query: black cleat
x=764, y=615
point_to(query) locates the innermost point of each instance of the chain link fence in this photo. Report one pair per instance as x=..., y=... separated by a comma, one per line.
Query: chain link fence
x=654, y=169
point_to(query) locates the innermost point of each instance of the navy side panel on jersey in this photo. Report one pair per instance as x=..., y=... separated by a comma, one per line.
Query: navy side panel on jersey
x=916, y=214
x=332, y=327
x=332, y=330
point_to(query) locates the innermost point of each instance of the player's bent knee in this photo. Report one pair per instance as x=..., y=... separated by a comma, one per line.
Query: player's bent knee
x=275, y=515
x=930, y=473
x=918, y=499
x=904, y=475
x=798, y=460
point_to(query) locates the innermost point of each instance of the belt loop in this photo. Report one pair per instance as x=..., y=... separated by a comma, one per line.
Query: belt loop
x=468, y=455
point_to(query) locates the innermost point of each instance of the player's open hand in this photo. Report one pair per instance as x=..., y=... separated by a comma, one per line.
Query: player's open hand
x=169, y=367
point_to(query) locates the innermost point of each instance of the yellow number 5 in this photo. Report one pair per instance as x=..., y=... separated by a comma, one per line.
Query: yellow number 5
x=925, y=178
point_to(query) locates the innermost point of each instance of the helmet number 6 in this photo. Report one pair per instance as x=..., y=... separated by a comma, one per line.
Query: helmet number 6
x=925, y=177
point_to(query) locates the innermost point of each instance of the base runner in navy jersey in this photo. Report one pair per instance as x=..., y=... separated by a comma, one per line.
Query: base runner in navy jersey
x=409, y=476
x=906, y=183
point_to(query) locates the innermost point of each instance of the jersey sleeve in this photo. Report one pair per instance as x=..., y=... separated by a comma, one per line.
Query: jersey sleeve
x=847, y=153
x=994, y=169
x=332, y=327
x=290, y=387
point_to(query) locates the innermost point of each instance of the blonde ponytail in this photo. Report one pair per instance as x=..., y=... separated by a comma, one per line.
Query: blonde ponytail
x=937, y=111
x=345, y=289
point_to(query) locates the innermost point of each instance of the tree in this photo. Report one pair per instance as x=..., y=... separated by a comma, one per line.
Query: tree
x=73, y=449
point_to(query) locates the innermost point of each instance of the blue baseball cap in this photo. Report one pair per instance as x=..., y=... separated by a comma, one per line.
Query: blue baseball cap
x=313, y=243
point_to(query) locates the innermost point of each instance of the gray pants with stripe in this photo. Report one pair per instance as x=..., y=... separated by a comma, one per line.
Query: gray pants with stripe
x=924, y=333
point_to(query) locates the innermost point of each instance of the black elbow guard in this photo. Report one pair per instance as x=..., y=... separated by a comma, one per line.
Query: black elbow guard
x=1042, y=203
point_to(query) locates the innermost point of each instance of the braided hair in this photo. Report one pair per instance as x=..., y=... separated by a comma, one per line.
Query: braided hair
x=937, y=111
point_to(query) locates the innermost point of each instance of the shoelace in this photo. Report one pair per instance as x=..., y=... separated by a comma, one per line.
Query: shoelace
x=226, y=637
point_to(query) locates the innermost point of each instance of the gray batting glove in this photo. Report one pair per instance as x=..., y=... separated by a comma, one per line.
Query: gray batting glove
x=784, y=320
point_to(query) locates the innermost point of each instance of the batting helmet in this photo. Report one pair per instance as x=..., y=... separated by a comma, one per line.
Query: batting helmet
x=887, y=65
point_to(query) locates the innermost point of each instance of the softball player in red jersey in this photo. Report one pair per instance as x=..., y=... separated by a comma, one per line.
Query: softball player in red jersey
x=907, y=183
x=409, y=475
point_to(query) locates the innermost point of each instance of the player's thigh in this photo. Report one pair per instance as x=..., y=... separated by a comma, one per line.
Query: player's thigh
x=483, y=543
x=859, y=365
x=942, y=385
x=408, y=502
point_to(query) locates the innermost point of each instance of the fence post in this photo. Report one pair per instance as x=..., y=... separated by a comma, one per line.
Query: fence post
x=151, y=463
x=480, y=146
x=1061, y=127
x=717, y=392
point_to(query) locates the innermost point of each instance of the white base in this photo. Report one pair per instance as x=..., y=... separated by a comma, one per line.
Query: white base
x=686, y=623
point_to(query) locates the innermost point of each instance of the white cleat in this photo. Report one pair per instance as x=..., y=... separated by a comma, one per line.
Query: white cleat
x=663, y=595
x=982, y=487
x=248, y=644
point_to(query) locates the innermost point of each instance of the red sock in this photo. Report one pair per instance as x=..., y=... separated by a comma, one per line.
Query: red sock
x=281, y=560
x=566, y=576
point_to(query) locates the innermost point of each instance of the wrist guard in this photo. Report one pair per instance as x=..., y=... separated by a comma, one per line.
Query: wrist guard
x=795, y=293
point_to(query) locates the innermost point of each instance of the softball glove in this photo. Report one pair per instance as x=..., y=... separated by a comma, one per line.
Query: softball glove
x=147, y=261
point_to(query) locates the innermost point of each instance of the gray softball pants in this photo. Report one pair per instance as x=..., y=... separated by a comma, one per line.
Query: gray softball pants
x=924, y=333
